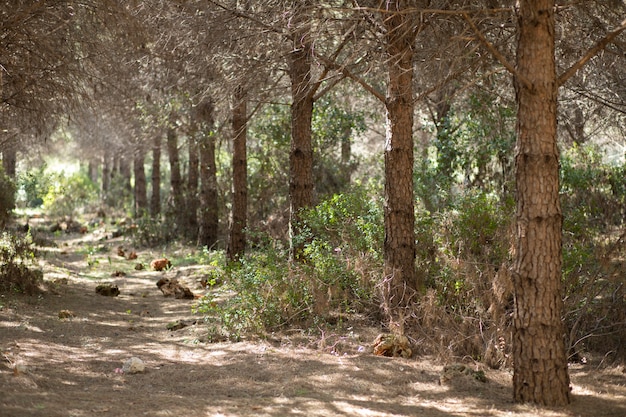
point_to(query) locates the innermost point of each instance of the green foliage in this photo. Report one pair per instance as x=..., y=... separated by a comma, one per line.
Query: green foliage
x=333, y=128
x=472, y=148
x=593, y=210
x=344, y=239
x=268, y=163
x=344, y=236
x=462, y=246
x=266, y=295
x=16, y=256
x=34, y=185
x=151, y=232
x=7, y=198
x=69, y=193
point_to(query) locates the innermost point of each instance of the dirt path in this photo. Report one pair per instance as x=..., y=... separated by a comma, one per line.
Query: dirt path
x=67, y=367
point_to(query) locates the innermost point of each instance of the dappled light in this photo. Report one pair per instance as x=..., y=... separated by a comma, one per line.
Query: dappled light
x=337, y=208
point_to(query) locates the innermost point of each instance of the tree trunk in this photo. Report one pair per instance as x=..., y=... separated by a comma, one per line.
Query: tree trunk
x=92, y=170
x=192, y=189
x=400, y=282
x=9, y=160
x=301, y=152
x=106, y=175
x=540, y=361
x=141, y=197
x=125, y=174
x=155, y=198
x=237, y=238
x=208, y=217
x=176, y=183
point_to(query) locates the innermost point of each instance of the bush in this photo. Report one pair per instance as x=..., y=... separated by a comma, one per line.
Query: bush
x=266, y=295
x=34, y=186
x=69, y=193
x=7, y=198
x=16, y=256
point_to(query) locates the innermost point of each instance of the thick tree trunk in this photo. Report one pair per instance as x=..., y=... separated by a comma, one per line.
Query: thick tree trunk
x=141, y=198
x=155, y=198
x=540, y=361
x=237, y=238
x=301, y=183
x=208, y=217
x=192, y=188
x=400, y=282
x=176, y=182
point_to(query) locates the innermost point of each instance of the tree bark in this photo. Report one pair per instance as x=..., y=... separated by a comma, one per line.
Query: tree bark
x=301, y=183
x=9, y=160
x=155, y=198
x=192, y=188
x=141, y=198
x=176, y=183
x=540, y=361
x=400, y=282
x=208, y=217
x=125, y=174
x=106, y=175
x=237, y=239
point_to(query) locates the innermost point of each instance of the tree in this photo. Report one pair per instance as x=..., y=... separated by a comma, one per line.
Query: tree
x=400, y=283
x=540, y=360
x=155, y=197
x=237, y=239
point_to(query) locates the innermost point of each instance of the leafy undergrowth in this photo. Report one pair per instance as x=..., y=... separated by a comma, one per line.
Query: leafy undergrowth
x=61, y=348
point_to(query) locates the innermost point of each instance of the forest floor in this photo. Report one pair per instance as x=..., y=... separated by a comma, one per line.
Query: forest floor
x=70, y=366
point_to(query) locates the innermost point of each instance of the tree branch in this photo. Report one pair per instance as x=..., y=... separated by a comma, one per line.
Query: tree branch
x=347, y=73
x=602, y=43
x=496, y=53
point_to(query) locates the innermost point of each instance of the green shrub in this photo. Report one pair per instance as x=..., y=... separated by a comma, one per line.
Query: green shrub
x=68, y=194
x=153, y=232
x=7, y=198
x=266, y=295
x=34, y=186
x=16, y=257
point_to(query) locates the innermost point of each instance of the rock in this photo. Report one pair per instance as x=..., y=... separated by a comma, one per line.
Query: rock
x=133, y=365
x=177, y=325
x=108, y=290
x=161, y=264
x=171, y=287
x=139, y=267
x=66, y=314
x=392, y=345
x=458, y=369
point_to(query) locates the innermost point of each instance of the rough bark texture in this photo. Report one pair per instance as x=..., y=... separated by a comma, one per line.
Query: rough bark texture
x=301, y=152
x=155, y=198
x=400, y=279
x=176, y=182
x=540, y=361
x=192, y=188
x=237, y=238
x=141, y=198
x=208, y=213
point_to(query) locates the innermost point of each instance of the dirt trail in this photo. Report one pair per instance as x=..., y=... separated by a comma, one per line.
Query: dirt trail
x=67, y=367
